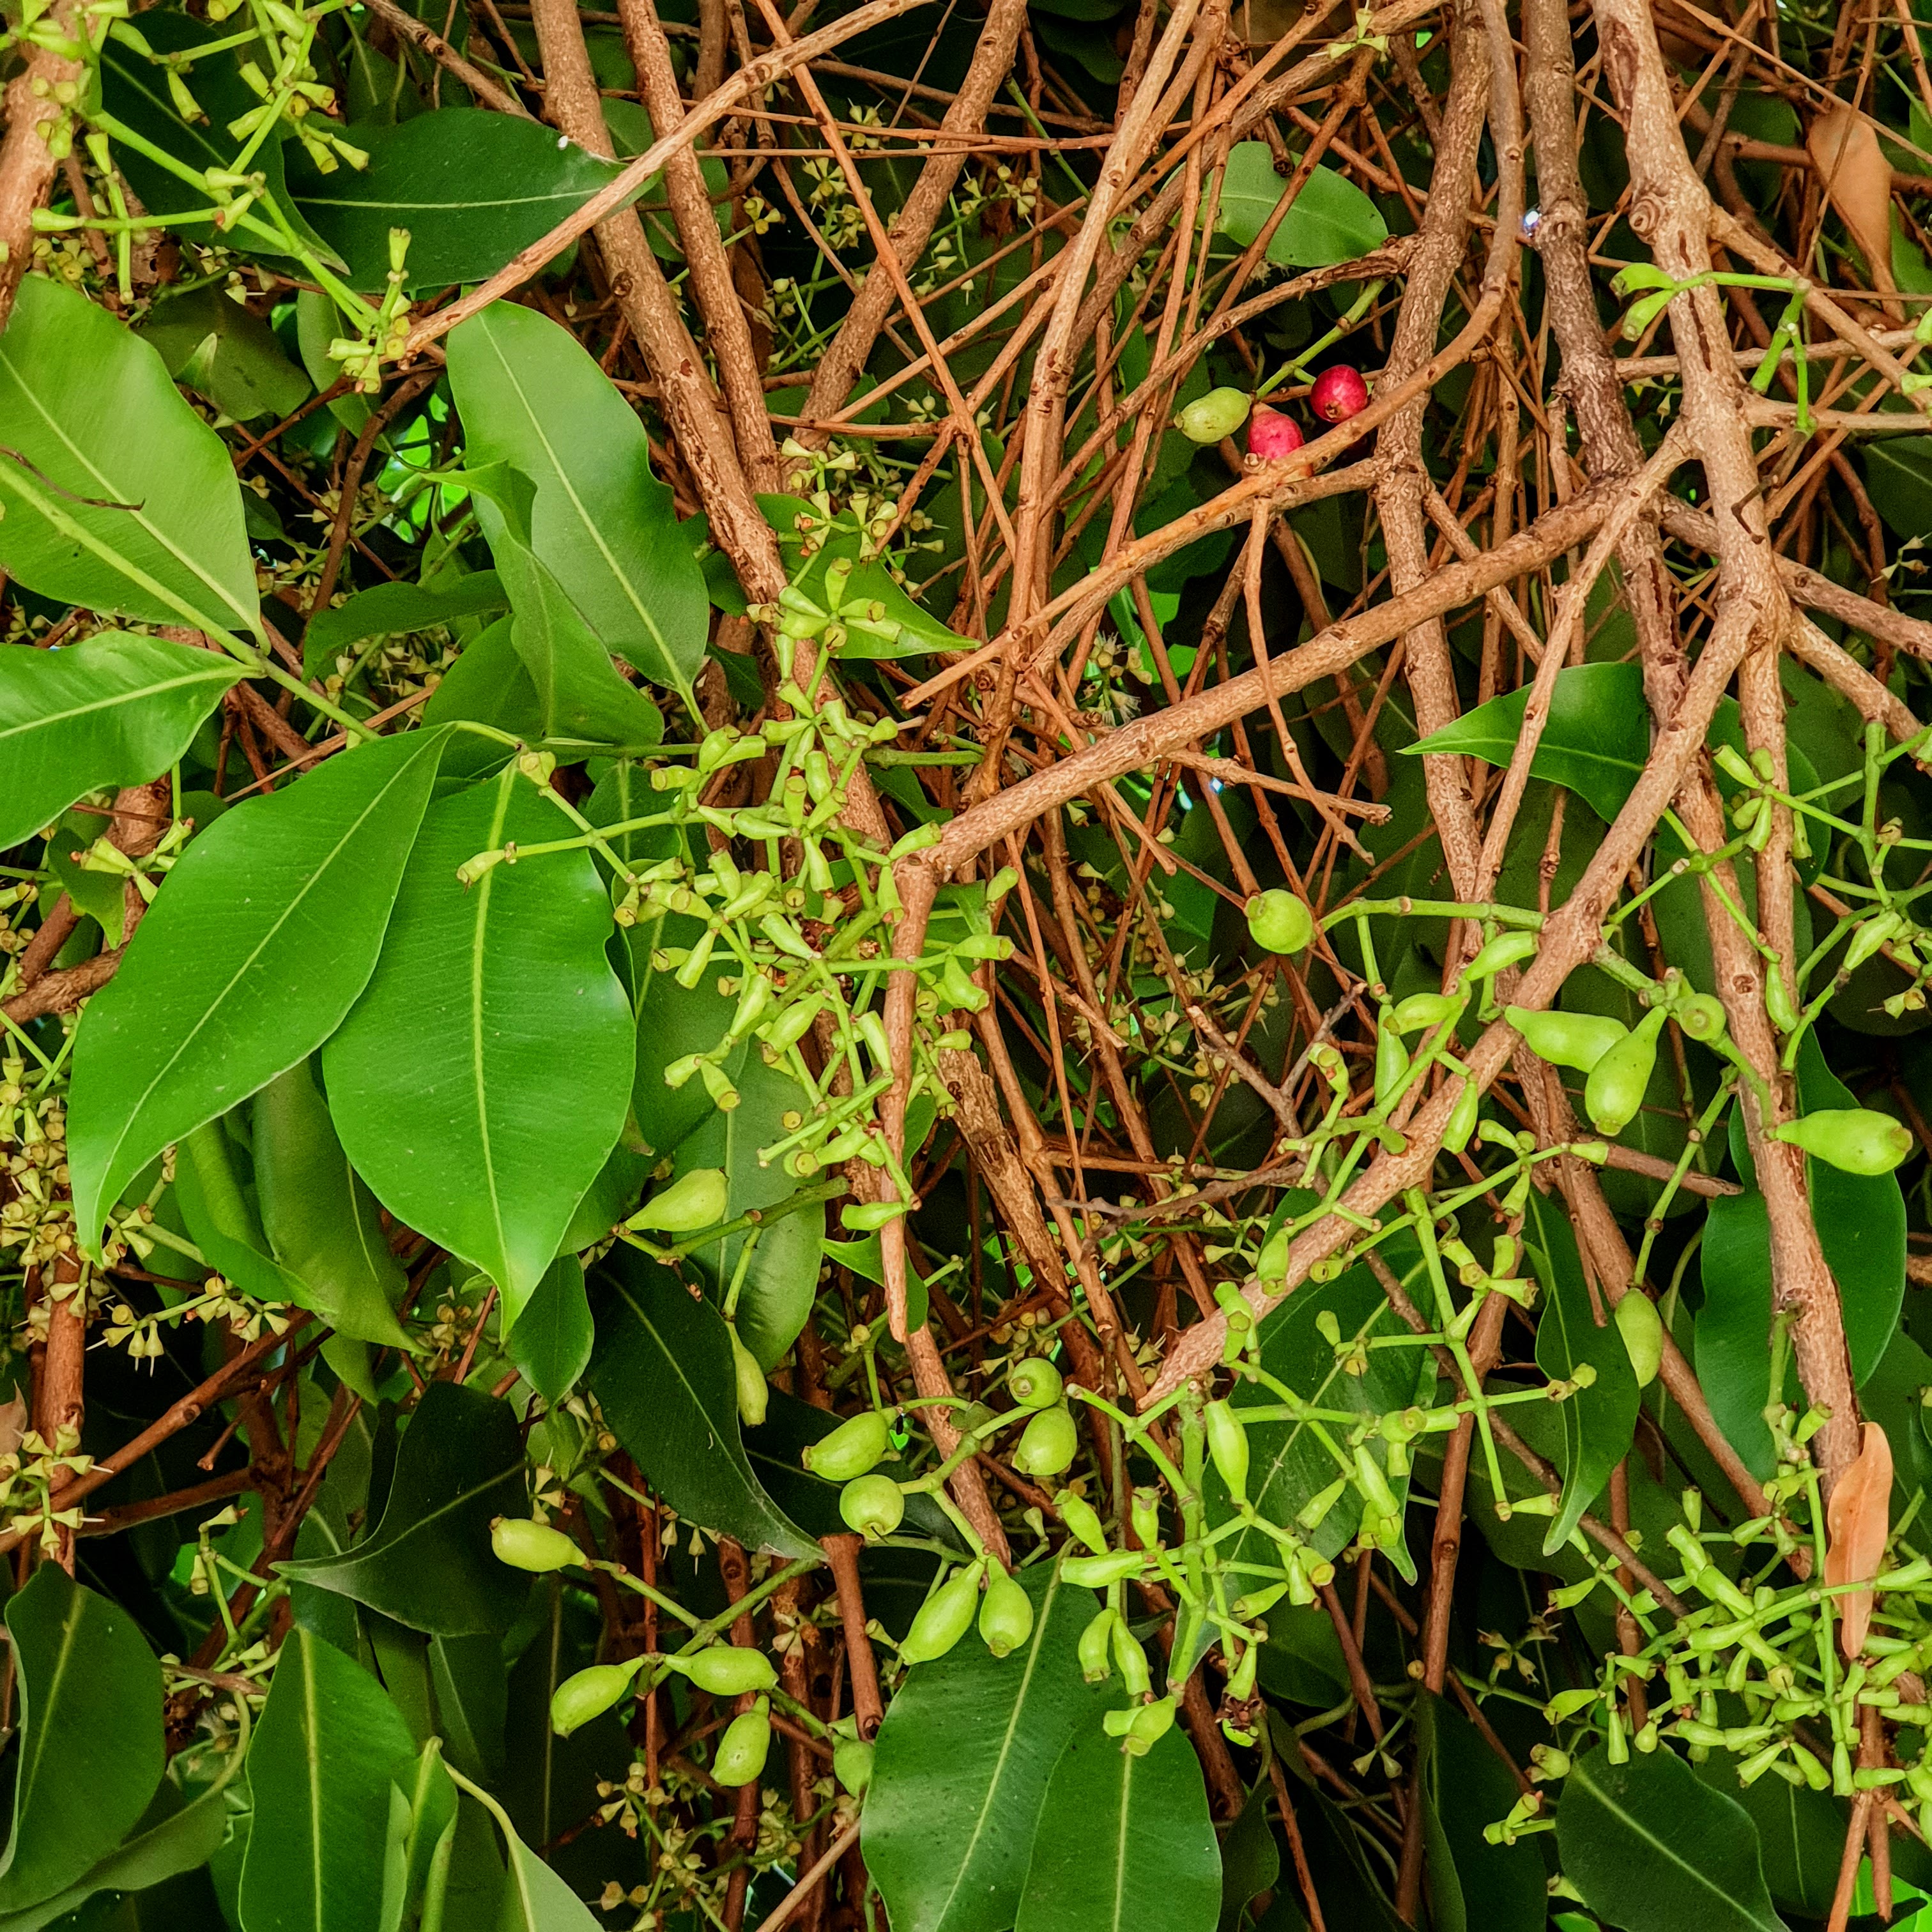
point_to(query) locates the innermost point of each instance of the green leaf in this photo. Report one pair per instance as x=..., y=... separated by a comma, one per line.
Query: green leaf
x=1860, y=1223
x=1332, y=220
x=775, y=1290
x=551, y=1341
x=662, y=1375
x=321, y=1221
x=1599, y=1421
x=1898, y=479
x=116, y=494
x=226, y=353
x=329, y=1744
x=116, y=710
x=257, y=944
x=964, y=1760
x=498, y=1000
x=673, y=1023
x=1250, y=1858
x=582, y=698
x=91, y=1755
x=220, y=1219
x=1124, y=1842
x=388, y=609
x=1465, y=1787
x=471, y=187
x=1652, y=1849
x=429, y=1564
x=1801, y=1835
x=532, y=398
x=171, y=1838
x=488, y=684
x=534, y=1899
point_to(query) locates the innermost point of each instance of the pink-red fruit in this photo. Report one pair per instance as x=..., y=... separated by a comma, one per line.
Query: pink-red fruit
x=1271, y=435
x=1339, y=394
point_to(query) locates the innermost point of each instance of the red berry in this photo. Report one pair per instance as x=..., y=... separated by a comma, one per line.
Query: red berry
x=1338, y=394
x=1272, y=435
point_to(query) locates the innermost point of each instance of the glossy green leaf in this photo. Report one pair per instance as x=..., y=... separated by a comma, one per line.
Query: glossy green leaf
x=222, y=1220
x=775, y=1289
x=1596, y=739
x=322, y=1223
x=428, y=1563
x=1124, y=1842
x=582, y=698
x=259, y=942
x=171, y=1838
x=226, y=353
x=116, y=710
x=965, y=1759
x=551, y=1341
x=534, y=1899
x=1332, y=220
x=482, y=1078
x=329, y=1744
x=1861, y=1223
x=1250, y=1855
x=662, y=1375
x=1653, y=1849
x=1598, y=1421
x=387, y=610
x=90, y=1755
x=471, y=187
x=531, y=397
x=1801, y=1835
x=1898, y=479
x=1465, y=1787
x=116, y=494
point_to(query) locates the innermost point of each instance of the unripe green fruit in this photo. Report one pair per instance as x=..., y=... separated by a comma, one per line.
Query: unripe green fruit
x=1209, y=418
x=1642, y=1328
x=1506, y=950
x=1006, y=1615
x=1097, y=1650
x=589, y=1694
x=695, y=1200
x=1228, y=1445
x=1271, y=1263
x=1095, y=1572
x=1280, y=922
x=1462, y=1117
x=754, y=1392
x=1152, y=1722
x=1083, y=1520
x=1048, y=1445
x=1035, y=1383
x=1615, y=1088
x=1391, y=1063
x=1420, y=1010
x=525, y=1545
x=742, y=1750
x=1566, y=1039
x=1701, y=1016
x=942, y=1618
x=1854, y=1139
x=727, y=1669
x=873, y=1505
x=852, y=1764
x=850, y=1450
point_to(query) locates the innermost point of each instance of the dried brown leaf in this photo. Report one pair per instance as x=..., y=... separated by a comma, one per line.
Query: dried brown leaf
x=1857, y=177
x=1858, y=1518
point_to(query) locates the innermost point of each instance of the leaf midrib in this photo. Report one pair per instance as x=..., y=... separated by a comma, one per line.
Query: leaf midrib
x=218, y=673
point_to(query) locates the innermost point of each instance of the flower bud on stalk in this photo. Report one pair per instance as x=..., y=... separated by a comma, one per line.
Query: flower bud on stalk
x=1048, y=1445
x=525, y=1545
x=1855, y=1140
x=1577, y=1040
x=1228, y=1447
x=874, y=1506
x=726, y=1669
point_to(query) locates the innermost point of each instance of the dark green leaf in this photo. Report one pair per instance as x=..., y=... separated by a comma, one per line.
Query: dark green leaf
x=1332, y=220
x=480, y=1099
x=534, y=1899
x=1898, y=479
x=1801, y=1835
x=1598, y=1421
x=532, y=397
x=388, y=609
x=221, y=1219
x=662, y=1374
x=117, y=710
x=322, y=1223
x=1651, y=1849
x=1250, y=1858
x=551, y=1341
x=1124, y=1842
x=91, y=1754
x=775, y=1290
x=320, y=1769
x=1466, y=1787
x=429, y=1564
x=226, y=353
x=471, y=187
x=969, y=1746
x=673, y=1023
x=87, y=411
x=258, y=944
